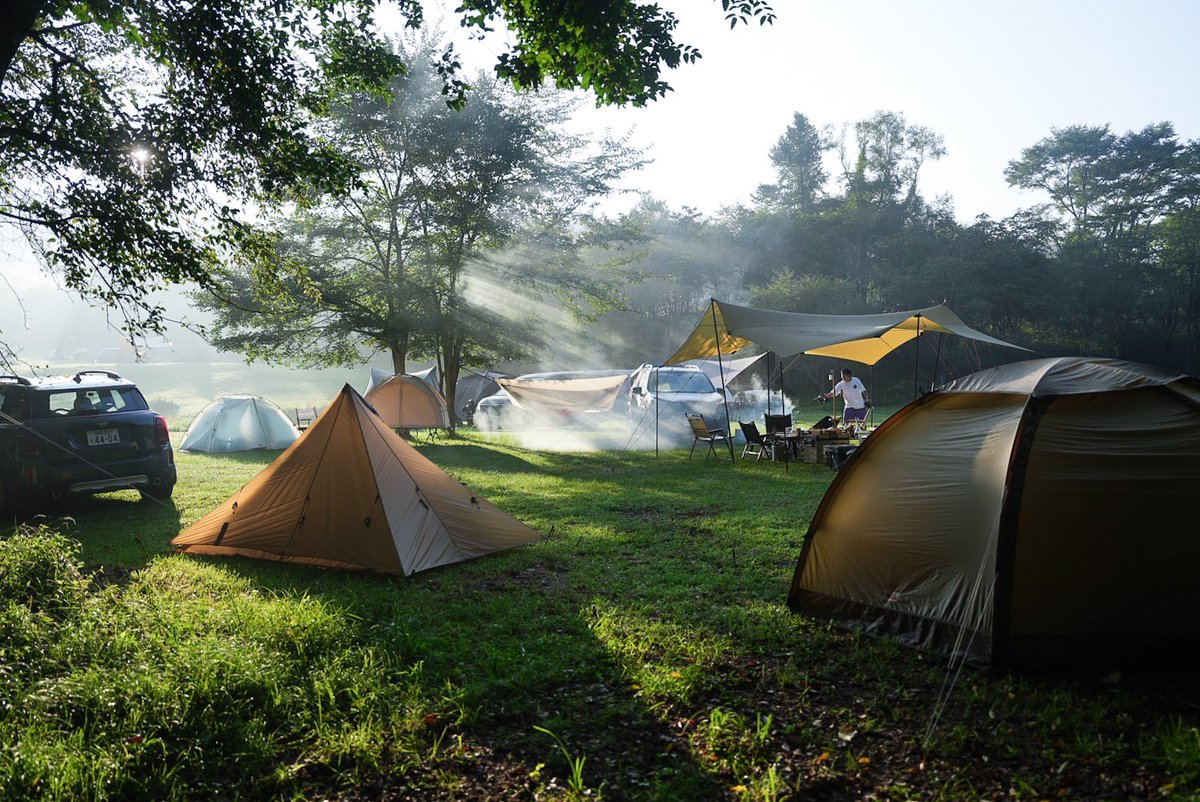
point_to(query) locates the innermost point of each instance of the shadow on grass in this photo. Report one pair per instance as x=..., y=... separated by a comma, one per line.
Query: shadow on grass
x=512, y=633
x=588, y=633
x=104, y=521
x=460, y=455
x=119, y=529
x=259, y=456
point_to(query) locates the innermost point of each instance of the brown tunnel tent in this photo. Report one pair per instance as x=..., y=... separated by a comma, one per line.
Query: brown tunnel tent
x=1037, y=514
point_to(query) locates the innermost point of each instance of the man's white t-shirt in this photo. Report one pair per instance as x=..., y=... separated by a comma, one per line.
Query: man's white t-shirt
x=852, y=391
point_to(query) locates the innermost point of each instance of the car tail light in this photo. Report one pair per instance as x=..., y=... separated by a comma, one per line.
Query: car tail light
x=160, y=429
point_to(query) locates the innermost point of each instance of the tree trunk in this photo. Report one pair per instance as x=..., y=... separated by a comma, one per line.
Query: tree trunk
x=452, y=347
x=399, y=357
x=22, y=17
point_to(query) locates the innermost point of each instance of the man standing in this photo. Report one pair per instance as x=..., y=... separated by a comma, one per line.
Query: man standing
x=854, y=395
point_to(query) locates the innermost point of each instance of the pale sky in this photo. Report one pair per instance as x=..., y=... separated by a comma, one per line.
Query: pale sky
x=991, y=77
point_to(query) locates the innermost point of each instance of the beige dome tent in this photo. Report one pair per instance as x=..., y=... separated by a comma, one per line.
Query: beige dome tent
x=1039, y=513
x=350, y=493
x=407, y=402
x=239, y=423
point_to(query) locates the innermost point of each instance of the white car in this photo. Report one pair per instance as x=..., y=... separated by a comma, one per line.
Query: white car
x=670, y=393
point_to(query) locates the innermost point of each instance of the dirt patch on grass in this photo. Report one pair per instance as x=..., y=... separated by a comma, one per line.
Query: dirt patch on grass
x=104, y=575
x=703, y=512
x=658, y=514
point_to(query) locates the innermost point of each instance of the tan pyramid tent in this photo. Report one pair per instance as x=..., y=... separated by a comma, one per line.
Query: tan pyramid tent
x=350, y=493
x=1034, y=514
x=407, y=402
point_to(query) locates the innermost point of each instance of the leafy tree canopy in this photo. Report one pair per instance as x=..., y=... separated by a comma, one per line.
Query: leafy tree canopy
x=139, y=140
x=448, y=204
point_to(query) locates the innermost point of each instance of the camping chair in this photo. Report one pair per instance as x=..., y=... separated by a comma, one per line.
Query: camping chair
x=701, y=432
x=305, y=416
x=778, y=424
x=754, y=440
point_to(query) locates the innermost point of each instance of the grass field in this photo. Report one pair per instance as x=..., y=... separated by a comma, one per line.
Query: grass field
x=642, y=650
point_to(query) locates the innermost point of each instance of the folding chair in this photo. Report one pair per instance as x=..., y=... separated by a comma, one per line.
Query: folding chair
x=754, y=440
x=305, y=416
x=702, y=432
x=778, y=424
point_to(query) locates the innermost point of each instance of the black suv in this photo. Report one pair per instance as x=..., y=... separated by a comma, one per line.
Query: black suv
x=88, y=433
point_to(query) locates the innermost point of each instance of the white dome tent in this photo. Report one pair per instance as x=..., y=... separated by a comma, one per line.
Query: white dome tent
x=239, y=423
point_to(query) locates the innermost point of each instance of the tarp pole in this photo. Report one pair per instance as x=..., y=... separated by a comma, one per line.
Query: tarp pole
x=721, y=371
x=872, y=412
x=917, y=363
x=656, y=413
x=782, y=404
x=770, y=409
x=936, y=360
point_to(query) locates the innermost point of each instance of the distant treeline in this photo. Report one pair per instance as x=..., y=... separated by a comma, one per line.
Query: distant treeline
x=1110, y=265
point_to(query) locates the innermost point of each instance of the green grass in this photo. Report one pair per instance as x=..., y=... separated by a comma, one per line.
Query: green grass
x=641, y=650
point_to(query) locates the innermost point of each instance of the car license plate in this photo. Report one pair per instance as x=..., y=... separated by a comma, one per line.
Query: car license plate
x=103, y=437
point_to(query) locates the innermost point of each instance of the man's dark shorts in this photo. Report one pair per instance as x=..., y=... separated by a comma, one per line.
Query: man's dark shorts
x=854, y=413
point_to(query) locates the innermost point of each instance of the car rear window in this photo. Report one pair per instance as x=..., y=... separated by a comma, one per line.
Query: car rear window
x=10, y=404
x=92, y=401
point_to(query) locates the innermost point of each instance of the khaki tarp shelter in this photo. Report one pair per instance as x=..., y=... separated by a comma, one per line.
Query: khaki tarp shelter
x=239, y=423
x=350, y=493
x=565, y=395
x=1033, y=514
x=406, y=402
x=725, y=329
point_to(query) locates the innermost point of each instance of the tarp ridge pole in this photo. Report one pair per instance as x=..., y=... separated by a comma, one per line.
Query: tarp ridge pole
x=655, y=412
x=721, y=372
x=937, y=358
